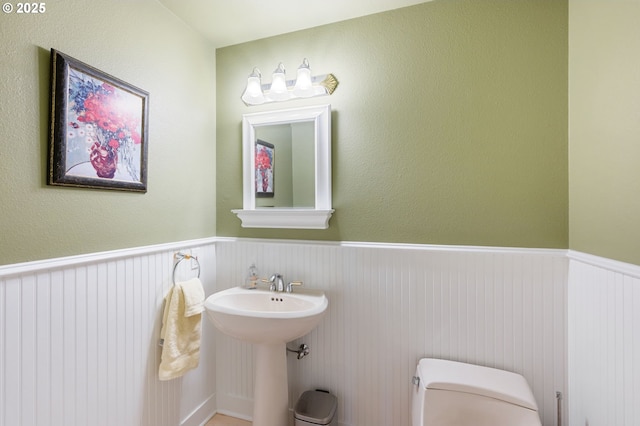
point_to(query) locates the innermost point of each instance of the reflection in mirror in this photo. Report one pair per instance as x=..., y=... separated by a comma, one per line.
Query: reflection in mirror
x=287, y=168
x=284, y=165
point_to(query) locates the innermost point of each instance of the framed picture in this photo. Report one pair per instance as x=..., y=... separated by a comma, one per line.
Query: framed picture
x=264, y=168
x=98, y=128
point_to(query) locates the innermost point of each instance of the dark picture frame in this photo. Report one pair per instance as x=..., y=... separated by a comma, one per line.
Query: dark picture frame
x=98, y=135
x=264, y=167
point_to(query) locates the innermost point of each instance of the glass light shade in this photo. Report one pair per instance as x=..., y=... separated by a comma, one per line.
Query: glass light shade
x=279, y=91
x=304, y=87
x=253, y=92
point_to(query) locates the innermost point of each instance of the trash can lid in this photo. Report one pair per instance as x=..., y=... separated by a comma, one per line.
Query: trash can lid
x=316, y=407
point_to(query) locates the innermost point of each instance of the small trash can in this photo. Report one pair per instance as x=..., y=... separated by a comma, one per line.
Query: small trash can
x=314, y=408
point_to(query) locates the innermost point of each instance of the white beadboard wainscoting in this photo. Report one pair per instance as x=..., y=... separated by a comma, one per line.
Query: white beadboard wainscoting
x=390, y=305
x=604, y=342
x=79, y=341
x=78, y=335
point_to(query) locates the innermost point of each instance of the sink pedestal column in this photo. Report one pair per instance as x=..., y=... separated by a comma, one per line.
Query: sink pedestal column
x=271, y=388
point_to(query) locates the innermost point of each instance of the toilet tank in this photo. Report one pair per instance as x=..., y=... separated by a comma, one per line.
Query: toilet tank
x=449, y=393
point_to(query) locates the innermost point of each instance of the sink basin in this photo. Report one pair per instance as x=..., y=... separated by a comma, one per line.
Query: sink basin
x=261, y=316
x=269, y=320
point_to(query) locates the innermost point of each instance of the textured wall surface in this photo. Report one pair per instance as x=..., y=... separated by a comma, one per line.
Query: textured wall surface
x=391, y=305
x=145, y=45
x=605, y=128
x=604, y=325
x=449, y=123
x=79, y=341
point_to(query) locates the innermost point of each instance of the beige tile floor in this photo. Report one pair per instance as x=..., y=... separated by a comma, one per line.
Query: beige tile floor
x=222, y=420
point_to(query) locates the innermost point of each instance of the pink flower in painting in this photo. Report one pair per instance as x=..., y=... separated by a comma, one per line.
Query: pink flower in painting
x=111, y=116
x=263, y=160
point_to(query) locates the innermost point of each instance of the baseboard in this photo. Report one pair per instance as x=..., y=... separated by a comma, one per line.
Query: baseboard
x=241, y=408
x=202, y=414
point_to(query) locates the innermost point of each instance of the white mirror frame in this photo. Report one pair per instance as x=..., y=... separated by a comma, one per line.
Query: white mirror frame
x=278, y=217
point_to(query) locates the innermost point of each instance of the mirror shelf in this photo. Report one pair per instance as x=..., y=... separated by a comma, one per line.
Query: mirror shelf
x=309, y=203
x=285, y=218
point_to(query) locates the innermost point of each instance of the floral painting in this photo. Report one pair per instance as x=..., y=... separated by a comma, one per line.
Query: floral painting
x=98, y=128
x=264, y=168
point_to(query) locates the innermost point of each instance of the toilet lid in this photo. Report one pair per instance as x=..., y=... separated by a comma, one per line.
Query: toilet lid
x=490, y=382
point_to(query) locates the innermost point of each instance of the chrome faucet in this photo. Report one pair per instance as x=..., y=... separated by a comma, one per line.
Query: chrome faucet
x=277, y=283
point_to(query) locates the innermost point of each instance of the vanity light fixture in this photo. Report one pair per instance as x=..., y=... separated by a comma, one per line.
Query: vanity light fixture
x=279, y=91
x=304, y=86
x=253, y=94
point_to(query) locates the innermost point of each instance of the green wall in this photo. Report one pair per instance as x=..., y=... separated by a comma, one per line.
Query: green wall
x=281, y=138
x=139, y=42
x=449, y=124
x=604, y=94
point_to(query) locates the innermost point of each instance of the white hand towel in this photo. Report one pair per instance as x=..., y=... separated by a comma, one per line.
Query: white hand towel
x=180, y=333
x=193, y=297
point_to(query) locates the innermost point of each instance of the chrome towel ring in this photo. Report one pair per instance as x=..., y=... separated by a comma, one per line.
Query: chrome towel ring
x=179, y=258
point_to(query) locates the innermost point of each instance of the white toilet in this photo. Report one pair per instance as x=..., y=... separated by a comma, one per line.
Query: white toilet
x=449, y=393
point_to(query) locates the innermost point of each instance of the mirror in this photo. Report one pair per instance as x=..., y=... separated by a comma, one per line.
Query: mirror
x=287, y=168
x=288, y=148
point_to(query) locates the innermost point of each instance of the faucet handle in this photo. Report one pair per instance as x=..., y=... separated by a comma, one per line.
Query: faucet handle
x=291, y=284
x=271, y=282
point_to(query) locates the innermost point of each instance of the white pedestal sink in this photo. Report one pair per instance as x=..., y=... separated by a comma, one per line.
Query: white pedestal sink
x=269, y=320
